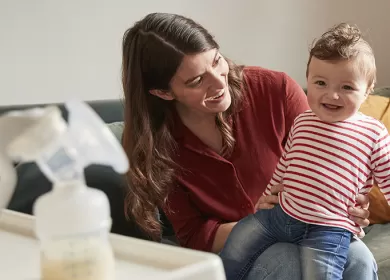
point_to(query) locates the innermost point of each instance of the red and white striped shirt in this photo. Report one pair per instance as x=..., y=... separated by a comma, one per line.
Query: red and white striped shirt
x=325, y=166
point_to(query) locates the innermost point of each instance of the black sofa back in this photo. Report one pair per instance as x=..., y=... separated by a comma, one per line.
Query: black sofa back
x=109, y=110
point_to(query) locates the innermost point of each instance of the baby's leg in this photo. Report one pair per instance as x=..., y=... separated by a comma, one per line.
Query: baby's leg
x=250, y=238
x=324, y=252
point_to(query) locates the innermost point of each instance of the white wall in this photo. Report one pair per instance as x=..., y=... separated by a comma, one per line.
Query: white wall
x=52, y=50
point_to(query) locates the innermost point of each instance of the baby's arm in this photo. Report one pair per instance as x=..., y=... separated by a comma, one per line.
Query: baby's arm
x=281, y=167
x=380, y=162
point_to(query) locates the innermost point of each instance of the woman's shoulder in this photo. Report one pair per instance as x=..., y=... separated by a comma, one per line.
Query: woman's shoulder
x=266, y=83
x=261, y=74
x=274, y=93
x=258, y=72
x=266, y=80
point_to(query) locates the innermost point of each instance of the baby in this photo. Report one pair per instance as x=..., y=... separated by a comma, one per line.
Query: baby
x=333, y=153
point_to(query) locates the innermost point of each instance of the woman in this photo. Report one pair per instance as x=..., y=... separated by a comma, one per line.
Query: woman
x=203, y=137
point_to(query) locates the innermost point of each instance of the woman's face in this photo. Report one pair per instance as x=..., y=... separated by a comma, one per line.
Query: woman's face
x=200, y=84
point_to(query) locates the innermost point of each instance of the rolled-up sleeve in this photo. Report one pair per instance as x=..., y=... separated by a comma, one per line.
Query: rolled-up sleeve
x=191, y=228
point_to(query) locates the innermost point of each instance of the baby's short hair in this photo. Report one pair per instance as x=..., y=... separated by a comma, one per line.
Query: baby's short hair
x=344, y=41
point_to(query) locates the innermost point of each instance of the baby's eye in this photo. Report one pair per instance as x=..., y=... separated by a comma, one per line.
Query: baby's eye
x=320, y=83
x=346, y=87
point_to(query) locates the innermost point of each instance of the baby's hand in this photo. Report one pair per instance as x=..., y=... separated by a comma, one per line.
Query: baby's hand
x=361, y=234
x=269, y=201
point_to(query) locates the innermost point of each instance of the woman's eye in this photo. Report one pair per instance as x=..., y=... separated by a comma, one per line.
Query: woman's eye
x=196, y=82
x=320, y=83
x=217, y=61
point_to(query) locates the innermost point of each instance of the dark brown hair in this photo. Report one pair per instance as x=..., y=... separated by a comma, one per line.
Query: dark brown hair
x=152, y=51
x=344, y=41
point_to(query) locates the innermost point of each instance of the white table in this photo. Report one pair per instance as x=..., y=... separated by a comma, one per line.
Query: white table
x=135, y=258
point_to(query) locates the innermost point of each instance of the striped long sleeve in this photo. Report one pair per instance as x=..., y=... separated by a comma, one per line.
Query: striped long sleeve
x=380, y=163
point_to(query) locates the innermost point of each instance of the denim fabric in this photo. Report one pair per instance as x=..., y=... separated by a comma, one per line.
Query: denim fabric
x=281, y=261
x=323, y=250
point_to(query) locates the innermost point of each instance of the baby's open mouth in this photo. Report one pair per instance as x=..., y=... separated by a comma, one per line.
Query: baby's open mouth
x=331, y=106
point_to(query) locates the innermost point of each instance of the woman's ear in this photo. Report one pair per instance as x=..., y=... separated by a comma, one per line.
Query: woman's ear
x=163, y=94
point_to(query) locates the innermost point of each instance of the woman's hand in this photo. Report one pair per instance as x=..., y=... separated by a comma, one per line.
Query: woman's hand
x=360, y=214
x=269, y=201
x=357, y=214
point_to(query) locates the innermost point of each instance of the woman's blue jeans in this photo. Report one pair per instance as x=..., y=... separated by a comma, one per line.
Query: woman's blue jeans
x=281, y=261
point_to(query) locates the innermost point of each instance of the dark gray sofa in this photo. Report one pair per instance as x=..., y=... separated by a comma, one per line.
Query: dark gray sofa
x=31, y=184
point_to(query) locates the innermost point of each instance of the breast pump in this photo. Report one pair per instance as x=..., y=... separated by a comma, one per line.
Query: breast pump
x=73, y=221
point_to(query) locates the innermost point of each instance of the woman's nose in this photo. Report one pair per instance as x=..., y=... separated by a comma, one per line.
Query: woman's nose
x=219, y=80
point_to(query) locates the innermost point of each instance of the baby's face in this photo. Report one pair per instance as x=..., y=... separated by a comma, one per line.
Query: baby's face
x=335, y=89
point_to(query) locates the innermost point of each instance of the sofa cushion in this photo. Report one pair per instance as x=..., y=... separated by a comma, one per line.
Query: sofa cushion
x=383, y=91
x=117, y=129
x=377, y=236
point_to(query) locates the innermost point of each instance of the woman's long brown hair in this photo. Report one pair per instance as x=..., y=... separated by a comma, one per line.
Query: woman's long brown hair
x=152, y=51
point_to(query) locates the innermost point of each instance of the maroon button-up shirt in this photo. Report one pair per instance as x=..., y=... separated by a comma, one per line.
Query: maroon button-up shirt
x=212, y=190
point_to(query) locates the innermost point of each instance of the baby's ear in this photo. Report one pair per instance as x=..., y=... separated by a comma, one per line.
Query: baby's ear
x=370, y=89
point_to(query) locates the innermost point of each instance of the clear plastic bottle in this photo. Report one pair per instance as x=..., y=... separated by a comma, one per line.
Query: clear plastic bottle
x=74, y=234
x=87, y=258
x=73, y=221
